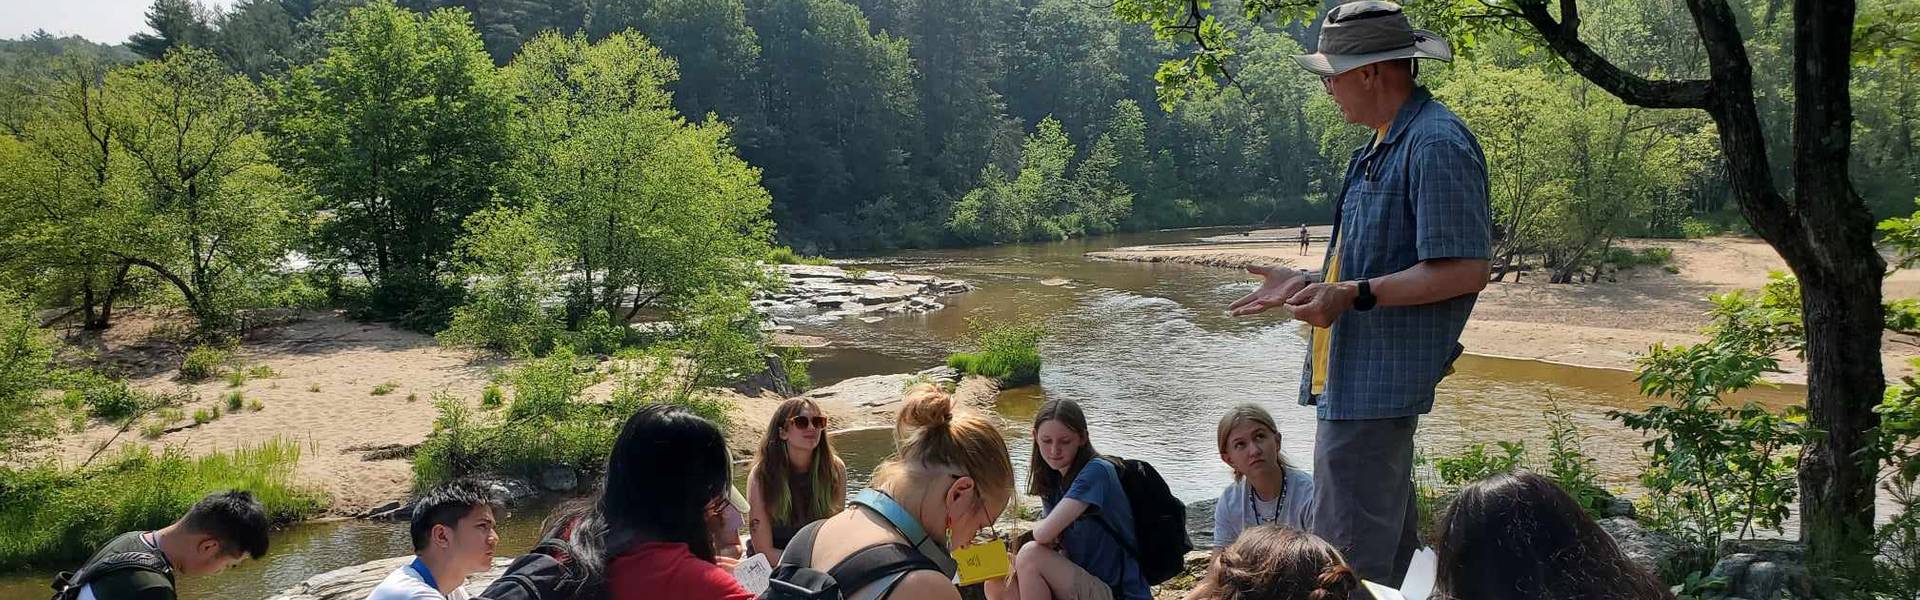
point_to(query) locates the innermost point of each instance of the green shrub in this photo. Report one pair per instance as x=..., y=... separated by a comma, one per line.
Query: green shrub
x=204, y=416
x=794, y=361
x=1008, y=352
x=255, y=405
x=236, y=378
x=1475, y=463
x=1695, y=229
x=597, y=334
x=261, y=372
x=235, y=400
x=204, y=363
x=77, y=422
x=170, y=415
x=384, y=388
x=782, y=255
x=153, y=431
x=115, y=400
x=547, y=387
x=55, y=517
x=492, y=397
x=1568, y=466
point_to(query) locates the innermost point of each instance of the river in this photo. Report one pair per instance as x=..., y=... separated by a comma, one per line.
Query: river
x=1147, y=348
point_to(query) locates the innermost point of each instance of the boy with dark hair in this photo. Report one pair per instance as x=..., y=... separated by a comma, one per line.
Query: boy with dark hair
x=453, y=538
x=218, y=532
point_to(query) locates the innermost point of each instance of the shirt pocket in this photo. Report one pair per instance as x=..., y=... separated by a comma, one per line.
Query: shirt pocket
x=1379, y=230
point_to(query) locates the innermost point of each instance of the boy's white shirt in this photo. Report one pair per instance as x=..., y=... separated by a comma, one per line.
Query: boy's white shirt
x=405, y=584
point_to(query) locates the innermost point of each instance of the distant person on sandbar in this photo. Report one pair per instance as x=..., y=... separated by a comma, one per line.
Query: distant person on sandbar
x=1405, y=262
x=1304, y=240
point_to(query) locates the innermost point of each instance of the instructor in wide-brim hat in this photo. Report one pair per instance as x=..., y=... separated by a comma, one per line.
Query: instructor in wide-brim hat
x=1411, y=241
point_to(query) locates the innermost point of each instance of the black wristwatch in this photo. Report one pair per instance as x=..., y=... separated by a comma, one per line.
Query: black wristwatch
x=1365, y=301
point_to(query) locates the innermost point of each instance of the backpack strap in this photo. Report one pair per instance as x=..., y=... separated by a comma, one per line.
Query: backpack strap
x=799, y=551
x=69, y=586
x=880, y=563
x=1100, y=516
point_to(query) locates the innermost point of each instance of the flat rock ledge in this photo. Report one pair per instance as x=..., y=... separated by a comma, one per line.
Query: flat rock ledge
x=355, y=582
x=835, y=292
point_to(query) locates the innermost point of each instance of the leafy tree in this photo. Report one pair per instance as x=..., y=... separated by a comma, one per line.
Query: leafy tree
x=26, y=371
x=514, y=265
x=717, y=54
x=647, y=208
x=201, y=207
x=174, y=23
x=1103, y=201
x=253, y=36
x=401, y=131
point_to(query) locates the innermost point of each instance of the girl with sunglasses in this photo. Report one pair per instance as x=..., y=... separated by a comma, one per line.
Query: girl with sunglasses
x=949, y=478
x=796, y=478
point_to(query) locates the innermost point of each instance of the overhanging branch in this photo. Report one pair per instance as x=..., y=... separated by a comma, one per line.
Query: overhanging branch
x=1564, y=40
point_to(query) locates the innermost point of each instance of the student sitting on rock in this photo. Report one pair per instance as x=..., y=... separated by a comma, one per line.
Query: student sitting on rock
x=1079, y=548
x=453, y=538
x=218, y=532
x=796, y=478
x=1265, y=488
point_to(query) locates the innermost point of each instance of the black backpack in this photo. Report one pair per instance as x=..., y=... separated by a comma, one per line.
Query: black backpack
x=547, y=572
x=1159, y=521
x=883, y=564
x=67, y=585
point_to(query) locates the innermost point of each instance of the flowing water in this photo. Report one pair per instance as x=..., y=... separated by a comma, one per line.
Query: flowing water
x=1147, y=348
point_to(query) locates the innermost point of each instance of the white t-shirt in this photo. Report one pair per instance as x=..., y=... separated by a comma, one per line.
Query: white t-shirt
x=405, y=583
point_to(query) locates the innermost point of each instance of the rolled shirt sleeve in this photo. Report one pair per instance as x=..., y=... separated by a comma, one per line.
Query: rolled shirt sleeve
x=1448, y=181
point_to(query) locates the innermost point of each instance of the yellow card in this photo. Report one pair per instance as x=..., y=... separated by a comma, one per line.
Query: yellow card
x=981, y=562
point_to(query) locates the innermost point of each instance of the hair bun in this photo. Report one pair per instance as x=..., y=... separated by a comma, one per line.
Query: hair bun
x=926, y=406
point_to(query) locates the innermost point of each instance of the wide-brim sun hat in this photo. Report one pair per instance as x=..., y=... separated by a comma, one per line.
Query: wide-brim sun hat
x=1357, y=34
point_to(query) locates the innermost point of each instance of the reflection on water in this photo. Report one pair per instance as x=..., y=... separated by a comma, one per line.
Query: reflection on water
x=1147, y=348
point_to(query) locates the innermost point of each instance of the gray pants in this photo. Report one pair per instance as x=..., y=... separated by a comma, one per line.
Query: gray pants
x=1363, y=489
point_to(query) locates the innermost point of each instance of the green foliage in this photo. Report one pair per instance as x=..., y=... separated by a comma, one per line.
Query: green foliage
x=515, y=265
x=646, y=207
x=236, y=378
x=235, y=400
x=1895, y=442
x=204, y=416
x=115, y=401
x=794, y=361
x=782, y=255
x=255, y=405
x=1902, y=234
x=548, y=422
x=153, y=430
x=27, y=370
x=1475, y=463
x=384, y=388
x=203, y=362
x=261, y=372
x=1042, y=201
x=1009, y=352
x=1698, y=586
x=1715, y=468
x=1694, y=229
x=400, y=131
x=1625, y=258
x=1568, y=466
x=493, y=397
x=597, y=334
x=59, y=517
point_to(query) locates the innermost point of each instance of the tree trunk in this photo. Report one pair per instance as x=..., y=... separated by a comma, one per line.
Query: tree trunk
x=1840, y=273
x=104, y=318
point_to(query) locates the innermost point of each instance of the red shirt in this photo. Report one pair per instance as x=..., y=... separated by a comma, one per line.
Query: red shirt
x=660, y=570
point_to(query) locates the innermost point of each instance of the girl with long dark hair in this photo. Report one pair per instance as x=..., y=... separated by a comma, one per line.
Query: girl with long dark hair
x=1274, y=562
x=644, y=535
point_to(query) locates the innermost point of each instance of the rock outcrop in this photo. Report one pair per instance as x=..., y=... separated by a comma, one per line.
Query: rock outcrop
x=838, y=293
x=355, y=582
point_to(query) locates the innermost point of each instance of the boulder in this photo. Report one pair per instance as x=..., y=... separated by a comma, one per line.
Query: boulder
x=1200, y=523
x=1764, y=570
x=560, y=478
x=355, y=582
x=1620, y=507
x=1653, y=550
x=869, y=391
x=392, y=511
x=510, y=491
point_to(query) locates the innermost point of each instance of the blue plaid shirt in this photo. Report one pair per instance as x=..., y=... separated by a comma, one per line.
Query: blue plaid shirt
x=1419, y=194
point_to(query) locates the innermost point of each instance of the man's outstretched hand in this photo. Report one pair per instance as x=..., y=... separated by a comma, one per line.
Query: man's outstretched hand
x=1279, y=285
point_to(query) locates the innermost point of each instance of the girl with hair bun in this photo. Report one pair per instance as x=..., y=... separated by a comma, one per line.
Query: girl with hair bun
x=949, y=478
x=1271, y=562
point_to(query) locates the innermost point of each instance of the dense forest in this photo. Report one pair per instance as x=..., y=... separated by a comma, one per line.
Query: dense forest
x=889, y=123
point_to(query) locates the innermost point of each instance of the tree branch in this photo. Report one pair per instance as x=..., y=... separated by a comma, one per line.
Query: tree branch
x=1633, y=89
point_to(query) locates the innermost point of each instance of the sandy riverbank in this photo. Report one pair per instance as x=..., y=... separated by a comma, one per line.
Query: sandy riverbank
x=1592, y=324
